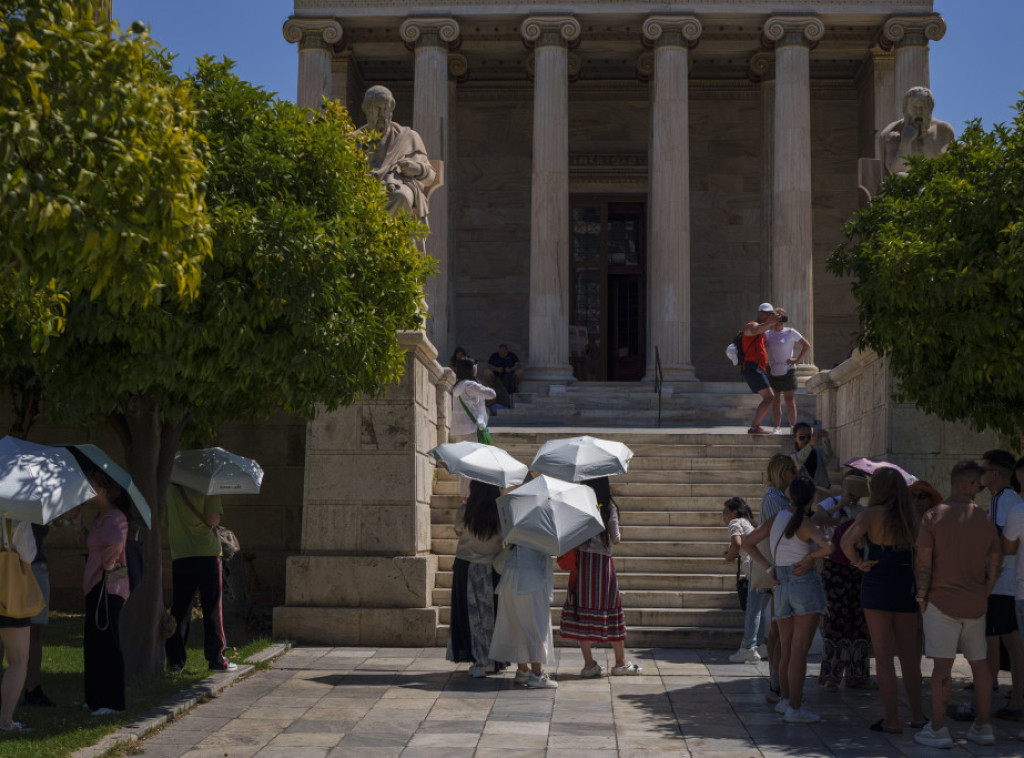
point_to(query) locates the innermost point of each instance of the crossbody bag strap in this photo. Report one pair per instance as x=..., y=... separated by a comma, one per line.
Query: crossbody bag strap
x=195, y=510
x=469, y=412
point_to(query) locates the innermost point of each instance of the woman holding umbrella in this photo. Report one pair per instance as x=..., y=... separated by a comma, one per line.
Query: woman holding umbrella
x=593, y=607
x=474, y=601
x=106, y=590
x=14, y=632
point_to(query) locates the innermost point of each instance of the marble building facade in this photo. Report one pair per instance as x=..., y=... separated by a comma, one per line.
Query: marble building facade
x=648, y=171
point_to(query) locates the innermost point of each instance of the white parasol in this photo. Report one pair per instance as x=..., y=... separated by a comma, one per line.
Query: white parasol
x=549, y=515
x=484, y=463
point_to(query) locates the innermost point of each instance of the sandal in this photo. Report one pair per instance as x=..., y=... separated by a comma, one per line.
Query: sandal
x=14, y=728
x=879, y=726
x=630, y=669
x=830, y=685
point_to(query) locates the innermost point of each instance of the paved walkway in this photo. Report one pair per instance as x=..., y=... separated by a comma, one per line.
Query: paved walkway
x=410, y=702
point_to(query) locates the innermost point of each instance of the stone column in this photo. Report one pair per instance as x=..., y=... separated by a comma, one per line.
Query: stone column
x=883, y=84
x=668, y=268
x=316, y=38
x=762, y=71
x=458, y=72
x=792, y=227
x=430, y=118
x=910, y=35
x=549, y=229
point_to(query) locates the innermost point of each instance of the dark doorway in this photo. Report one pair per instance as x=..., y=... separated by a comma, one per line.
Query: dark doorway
x=608, y=249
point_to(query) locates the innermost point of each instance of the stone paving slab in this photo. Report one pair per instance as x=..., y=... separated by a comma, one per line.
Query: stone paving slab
x=401, y=703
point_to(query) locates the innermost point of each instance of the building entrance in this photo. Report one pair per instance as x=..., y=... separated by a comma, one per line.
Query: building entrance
x=608, y=274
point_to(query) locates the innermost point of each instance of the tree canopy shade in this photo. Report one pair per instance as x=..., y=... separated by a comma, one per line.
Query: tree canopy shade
x=938, y=259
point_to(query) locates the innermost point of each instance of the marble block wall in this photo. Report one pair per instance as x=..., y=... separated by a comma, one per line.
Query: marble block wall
x=855, y=404
x=365, y=573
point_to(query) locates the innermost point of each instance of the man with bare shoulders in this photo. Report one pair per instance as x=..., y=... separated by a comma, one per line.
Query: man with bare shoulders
x=958, y=560
x=917, y=133
x=755, y=361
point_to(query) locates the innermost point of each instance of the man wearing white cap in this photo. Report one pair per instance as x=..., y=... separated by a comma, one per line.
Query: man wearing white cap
x=755, y=360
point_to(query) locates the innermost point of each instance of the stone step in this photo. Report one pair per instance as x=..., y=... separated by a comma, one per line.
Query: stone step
x=446, y=545
x=625, y=483
x=645, y=565
x=688, y=489
x=719, y=534
x=685, y=502
x=640, y=581
x=647, y=440
x=712, y=638
x=640, y=598
x=706, y=518
x=638, y=617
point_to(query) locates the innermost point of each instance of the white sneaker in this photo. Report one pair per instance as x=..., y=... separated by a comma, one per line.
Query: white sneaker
x=762, y=650
x=800, y=716
x=782, y=706
x=777, y=430
x=111, y=712
x=542, y=682
x=522, y=677
x=983, y=735
x=745, y=655
x=477, y=672
x=934, y=738
x=588, y=672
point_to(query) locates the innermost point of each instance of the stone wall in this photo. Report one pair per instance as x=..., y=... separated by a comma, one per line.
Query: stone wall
x=492, y=207
x=855, y=404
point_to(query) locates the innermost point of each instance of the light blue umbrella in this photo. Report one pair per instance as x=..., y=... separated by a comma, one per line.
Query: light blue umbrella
x=119, y=475
x=39, y=483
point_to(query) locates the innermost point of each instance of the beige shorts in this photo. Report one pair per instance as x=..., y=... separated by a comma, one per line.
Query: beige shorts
x=945, y=635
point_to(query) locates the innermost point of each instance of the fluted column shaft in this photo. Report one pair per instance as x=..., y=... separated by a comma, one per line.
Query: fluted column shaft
x=549, y=201
x=669, y=262
x=792, y=223
x=430, y=118
x=316, y=39
x=910, y=35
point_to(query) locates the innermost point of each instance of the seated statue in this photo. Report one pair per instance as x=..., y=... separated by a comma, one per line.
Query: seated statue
x=917, y=133
x=398, y=159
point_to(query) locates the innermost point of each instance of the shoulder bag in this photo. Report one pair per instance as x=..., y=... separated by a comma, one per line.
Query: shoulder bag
x=229, y=544
x=742, y=586
x=20, y=596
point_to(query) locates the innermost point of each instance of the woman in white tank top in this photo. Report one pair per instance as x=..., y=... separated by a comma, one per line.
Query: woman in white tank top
x=799, y=597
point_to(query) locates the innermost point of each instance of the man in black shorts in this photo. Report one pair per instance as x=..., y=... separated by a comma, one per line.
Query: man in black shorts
x=755, y=361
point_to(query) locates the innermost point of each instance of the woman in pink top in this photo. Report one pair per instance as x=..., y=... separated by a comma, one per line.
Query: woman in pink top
x=106, y=590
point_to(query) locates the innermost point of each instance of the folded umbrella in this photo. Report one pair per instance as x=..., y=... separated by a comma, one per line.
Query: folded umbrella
x=215, y=471
x=871, y=465
x=123, y=478
x=484, y=463
x=38, y=483
x=578, y=458
x=549, y=515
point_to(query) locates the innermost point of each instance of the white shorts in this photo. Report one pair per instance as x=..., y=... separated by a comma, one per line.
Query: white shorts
x=945, y=635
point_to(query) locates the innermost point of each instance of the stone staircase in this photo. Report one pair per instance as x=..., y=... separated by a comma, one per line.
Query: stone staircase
x=676, y=589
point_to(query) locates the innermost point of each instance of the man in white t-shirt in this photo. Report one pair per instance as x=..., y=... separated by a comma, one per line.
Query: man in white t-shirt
x=780, y=343
x=1013, y=532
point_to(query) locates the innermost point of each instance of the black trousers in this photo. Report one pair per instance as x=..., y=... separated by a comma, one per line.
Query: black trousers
x=101, y=647
x=201, y=573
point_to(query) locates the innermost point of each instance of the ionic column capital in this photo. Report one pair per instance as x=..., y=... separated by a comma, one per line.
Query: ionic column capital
x=433, y=32
x=761, y=67
x=676, y=31
x=550, y=30
x=458, y=67
x=794, y=30
x=914, y=31
x=312, y=32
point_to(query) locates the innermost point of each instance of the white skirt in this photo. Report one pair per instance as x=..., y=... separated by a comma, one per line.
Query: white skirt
x=522, y=631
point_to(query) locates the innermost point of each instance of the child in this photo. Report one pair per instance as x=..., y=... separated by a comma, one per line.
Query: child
x=593, y=608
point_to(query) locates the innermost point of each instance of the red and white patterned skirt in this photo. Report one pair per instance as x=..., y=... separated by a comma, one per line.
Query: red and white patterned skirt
x=593, y=609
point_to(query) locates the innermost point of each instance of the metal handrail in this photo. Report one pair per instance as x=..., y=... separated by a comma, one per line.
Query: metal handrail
x=659, y=379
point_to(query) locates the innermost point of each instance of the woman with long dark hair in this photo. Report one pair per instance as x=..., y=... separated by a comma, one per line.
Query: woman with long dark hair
x=888, y=528
x=469, y=409
x=474, y=603
x=738, y=517
x=799, y=597
x=593, y=607
x=106, y=590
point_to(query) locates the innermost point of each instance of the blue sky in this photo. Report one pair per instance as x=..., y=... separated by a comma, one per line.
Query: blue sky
x=974, y=70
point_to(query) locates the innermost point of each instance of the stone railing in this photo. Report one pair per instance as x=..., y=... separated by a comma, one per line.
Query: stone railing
x=855, y=404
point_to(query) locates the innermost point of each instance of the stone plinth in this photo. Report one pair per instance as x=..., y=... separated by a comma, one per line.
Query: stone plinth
x=855, y=404
x=366, y=572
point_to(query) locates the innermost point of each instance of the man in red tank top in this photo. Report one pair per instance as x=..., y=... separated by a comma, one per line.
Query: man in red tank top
x=755, y=359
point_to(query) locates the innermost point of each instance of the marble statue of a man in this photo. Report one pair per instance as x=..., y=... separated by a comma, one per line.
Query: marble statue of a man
x=398, y=159
x=917, y=133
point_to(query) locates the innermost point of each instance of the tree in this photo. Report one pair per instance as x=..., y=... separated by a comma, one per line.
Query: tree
x=938, y=259
x=308, y=281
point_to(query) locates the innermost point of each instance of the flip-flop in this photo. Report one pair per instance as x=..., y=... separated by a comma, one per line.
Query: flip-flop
x=879, y=726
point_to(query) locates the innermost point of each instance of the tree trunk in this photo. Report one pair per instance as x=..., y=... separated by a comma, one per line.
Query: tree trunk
x=149, y=447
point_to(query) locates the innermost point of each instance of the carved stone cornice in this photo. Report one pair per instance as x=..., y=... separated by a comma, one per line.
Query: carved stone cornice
x=429, y=32
x=677, y=31
x=458, y=67
x=761, y=67
x=914, y=31
x=313, y=33
x=539, y=31
x=794, y=30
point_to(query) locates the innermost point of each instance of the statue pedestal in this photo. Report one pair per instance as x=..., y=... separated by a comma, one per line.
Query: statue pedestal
x=366, y=572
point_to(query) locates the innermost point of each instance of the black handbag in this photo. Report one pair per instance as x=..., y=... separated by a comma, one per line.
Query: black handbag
x=742, y=586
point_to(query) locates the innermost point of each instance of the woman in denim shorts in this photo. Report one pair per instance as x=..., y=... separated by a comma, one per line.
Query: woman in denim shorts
x=799, y=597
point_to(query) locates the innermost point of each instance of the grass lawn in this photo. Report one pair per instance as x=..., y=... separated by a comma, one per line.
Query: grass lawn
x=57, y=732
